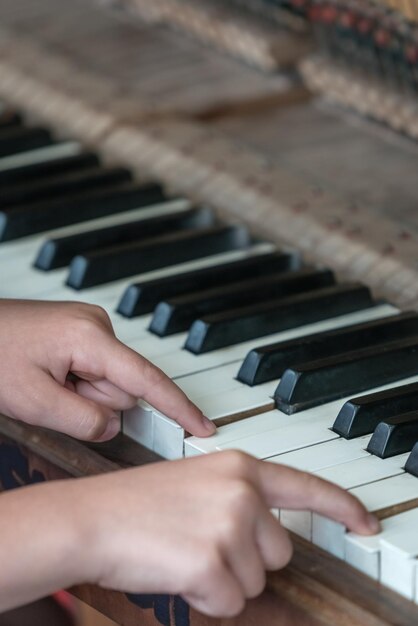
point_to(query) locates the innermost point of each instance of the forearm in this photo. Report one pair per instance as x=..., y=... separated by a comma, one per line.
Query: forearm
x=41, y=542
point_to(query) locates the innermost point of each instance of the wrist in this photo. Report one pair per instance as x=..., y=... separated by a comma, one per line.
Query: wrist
x=50, y=553
x=84, y=535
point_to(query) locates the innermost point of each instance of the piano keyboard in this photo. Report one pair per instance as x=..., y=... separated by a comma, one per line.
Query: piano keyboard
x=292, y=366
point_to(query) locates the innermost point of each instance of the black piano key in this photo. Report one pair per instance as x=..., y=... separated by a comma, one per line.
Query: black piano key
x=47, y=169
x=115, y=262
x=20, y=139
x=37, y=217
x=176, y=315
x=10, y=119
x=141, y=298
x=412, y=463
x=395, y=435
x=66, y=185
x=361, y=415
x=235, y=326
x=325, y=380
x=269, y=362
x=59, y=252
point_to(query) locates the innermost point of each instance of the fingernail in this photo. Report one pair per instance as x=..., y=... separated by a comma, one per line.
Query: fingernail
x=373, y=523
x=208, y=424
x=112, y=428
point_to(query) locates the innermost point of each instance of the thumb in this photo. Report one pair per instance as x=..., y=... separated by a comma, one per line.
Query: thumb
x=61, y=409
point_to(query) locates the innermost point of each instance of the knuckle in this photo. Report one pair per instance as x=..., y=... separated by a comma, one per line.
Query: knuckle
x=227, y=529
x=242, y=498
x=236, y=461
x=89, y=318
x=100, y=314
x=208, y=568
x=85, y=326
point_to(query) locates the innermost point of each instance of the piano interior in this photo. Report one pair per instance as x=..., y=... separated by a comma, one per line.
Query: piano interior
x=236, y=184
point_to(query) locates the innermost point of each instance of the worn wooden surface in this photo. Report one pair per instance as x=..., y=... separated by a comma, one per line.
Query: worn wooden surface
x=315, y=589
x=255, y=37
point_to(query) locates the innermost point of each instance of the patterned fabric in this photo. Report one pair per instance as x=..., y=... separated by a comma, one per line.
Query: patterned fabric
x=14, y=468
x=168, y=610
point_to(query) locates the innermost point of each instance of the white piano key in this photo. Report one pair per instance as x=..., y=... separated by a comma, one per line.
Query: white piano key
x=31, y=285
x=168, y=438
x=252, y=425
x=301, y=434
x=416, y=585
x=399, y=552
x=154, y=430
x=318, y=420
x=152, y=346
x=324, y=455
x=312, y=459
x=218, y=380
x=363, y=553
x=15, y=254
x=298, y=522
x=330, y=535
x=210, y=382
x=388, y=492
x=363, y=471
x=40, y=155
x=269, y=436
x=241, y=400
x=137, y=423
x=246, y=428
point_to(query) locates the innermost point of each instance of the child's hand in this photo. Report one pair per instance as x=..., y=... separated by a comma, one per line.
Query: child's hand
x=199, y=527
x=62, y=367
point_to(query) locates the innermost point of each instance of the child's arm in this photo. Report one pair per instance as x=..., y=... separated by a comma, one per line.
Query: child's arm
x=199, y=527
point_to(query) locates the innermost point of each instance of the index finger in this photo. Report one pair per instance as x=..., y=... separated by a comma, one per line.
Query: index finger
x=138, y=377
x=285, y=487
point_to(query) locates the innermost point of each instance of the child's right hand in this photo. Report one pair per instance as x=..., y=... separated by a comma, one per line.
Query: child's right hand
x=200, y=527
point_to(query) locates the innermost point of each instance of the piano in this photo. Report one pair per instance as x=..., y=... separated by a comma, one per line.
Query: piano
x=279, y=302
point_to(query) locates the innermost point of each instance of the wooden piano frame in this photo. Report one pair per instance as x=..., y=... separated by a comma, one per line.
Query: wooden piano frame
x=316, y=589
